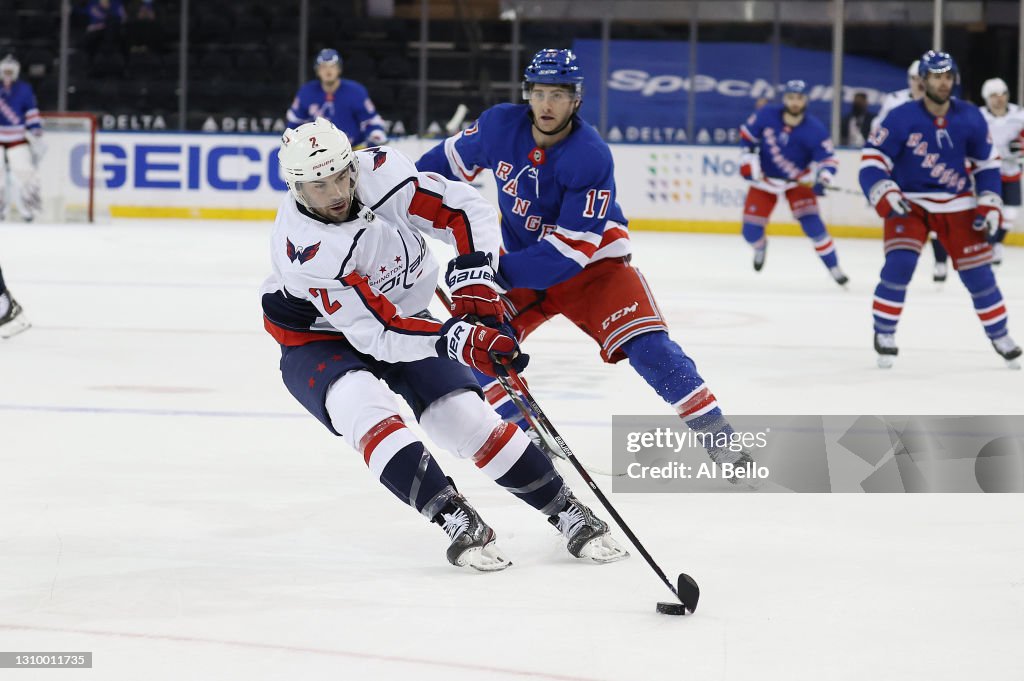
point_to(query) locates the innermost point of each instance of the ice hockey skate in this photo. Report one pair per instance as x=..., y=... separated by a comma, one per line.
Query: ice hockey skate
x=885, y=346
x=1008, y=350
x=940, y=272
x=759, y=255
x=586, y=535
x=472, y=539
x=839, y=276
x=13, y=321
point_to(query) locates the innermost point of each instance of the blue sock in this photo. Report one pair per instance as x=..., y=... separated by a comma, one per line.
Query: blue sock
x=891, y=291
x=533, y=479
x=814, y=228
x=987, y=299
x=413, y=476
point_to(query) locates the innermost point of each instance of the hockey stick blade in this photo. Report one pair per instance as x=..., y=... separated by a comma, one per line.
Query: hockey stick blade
x=685, y=589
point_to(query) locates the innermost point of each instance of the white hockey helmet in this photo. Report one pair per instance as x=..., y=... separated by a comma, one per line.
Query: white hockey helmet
x=10, y=68
x=319, y=167
x=994, y=86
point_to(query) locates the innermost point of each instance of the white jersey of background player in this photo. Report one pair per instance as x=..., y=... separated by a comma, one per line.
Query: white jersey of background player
x=913, y=91
x=21, y=143
x=352, y=279
x=1006, y=125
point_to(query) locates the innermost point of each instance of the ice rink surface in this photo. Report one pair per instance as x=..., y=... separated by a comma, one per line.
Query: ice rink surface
x=165, y=504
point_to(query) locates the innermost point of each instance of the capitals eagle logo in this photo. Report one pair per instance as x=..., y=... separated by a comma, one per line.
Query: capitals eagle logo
x=303, y=255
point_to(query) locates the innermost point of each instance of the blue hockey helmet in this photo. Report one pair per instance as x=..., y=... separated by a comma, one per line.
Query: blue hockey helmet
x=553, y=67
x=795, y=87
x=937, y=62
x=327, y=56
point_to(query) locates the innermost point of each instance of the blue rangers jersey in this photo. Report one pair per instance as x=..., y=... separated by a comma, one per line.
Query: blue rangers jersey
x=558, y=206
x=785, y=152
x=933, y=159
x=18, y=112
x=349, y=108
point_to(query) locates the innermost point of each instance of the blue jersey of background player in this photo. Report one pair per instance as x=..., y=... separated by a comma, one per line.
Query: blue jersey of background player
x=931, y=167
x=345, y=103
x=787, y=152
x=566, y=242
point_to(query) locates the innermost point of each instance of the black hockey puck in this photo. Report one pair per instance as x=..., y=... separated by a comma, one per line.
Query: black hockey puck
x=671, y=608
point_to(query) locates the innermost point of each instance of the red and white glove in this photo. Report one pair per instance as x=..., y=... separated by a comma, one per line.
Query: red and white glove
x=988, y=216
x=479, y=347
x=888, y=199
x=470, y=279
x=750, y=166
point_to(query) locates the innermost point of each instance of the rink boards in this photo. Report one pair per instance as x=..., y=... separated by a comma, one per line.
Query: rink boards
x=236, y=177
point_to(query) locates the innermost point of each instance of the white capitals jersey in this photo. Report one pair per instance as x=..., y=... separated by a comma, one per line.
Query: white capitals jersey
x=1005, y=129
x=366, y=279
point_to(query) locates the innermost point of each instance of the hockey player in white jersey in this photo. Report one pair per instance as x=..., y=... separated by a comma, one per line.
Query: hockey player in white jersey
x=1006, y=125
x=21, y=141
x=352, y=279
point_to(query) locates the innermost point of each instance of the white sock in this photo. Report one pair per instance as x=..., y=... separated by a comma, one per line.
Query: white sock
x=5, y=304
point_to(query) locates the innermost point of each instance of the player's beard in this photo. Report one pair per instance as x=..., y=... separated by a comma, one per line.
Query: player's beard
x=799, y=111
x=935, y=97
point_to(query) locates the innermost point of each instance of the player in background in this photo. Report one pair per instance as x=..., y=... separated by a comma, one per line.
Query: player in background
x=12, y=320
x=21, y=141
x=912, y=93
x=1006, y=124
x=914, y=171
x=343, y=102
x=786, y=151
x=352, y=280
x=566, y=241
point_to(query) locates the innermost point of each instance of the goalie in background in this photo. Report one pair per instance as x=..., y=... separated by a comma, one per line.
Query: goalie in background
x=21, y=139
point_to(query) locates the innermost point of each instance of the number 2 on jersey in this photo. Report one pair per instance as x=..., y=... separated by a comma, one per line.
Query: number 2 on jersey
x=330, y=306
x=604, y=195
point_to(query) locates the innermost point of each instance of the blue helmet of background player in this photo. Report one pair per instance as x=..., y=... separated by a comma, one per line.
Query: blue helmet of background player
x=794, y=87
x=937, y=62
x=553, y=67
x=327, y=56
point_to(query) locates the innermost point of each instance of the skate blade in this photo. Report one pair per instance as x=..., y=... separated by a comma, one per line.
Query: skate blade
x=488, y=558
x=603, y=549
x=1013, y=364
x=14, y=327
x=886, y=361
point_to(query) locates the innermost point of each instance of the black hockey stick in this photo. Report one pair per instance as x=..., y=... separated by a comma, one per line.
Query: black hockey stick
x=549, y=448
x=686, y=589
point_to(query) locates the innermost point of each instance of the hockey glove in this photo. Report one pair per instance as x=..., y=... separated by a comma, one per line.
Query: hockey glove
x=471, y=280
x=750, y=166
x=822, y=182
x=478, y=346
x=888, y=200
x=376, y=138
x=1017, y=145
x=988, y=216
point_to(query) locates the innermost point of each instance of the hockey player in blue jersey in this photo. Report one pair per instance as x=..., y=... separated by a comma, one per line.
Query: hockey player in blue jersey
x=931, y=167
x=566, y=240
x=21, y=141
x=344, y=102
x=786, y=151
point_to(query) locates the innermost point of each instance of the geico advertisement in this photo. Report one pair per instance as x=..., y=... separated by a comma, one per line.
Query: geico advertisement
x=670, y=185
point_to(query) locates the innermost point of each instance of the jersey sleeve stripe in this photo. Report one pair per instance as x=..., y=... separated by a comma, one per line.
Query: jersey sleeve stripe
x=429, y=206
x=385, y=311
x=458, y=166
x=746, y=135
